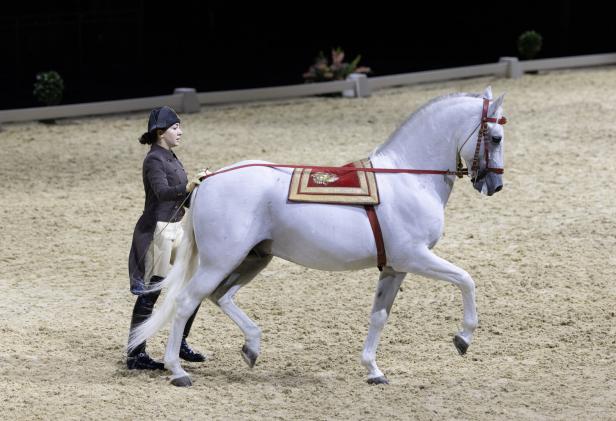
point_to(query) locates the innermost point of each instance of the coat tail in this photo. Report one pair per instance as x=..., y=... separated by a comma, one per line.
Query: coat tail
x=183, y=269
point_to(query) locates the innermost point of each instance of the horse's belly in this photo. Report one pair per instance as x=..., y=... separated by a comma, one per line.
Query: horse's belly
x=326, y=237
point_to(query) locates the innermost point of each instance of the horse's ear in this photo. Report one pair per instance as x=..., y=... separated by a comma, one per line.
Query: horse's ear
x=487, y=93
x=495, y=104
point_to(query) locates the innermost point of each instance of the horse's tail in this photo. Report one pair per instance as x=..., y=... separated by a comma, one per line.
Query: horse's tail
x=184, y=267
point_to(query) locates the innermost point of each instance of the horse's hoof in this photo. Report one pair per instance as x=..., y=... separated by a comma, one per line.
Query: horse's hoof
x=183, y=381
x=461, y=344
x=249, y=356
x=378, y=380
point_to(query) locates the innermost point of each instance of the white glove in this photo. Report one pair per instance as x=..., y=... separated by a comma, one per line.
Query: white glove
x=196, y=180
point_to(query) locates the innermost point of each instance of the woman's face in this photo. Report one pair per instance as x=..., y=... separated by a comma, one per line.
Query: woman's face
x=170, y=138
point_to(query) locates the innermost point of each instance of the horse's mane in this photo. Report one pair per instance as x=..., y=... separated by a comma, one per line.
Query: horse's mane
x=424, y=107
x=444, y=97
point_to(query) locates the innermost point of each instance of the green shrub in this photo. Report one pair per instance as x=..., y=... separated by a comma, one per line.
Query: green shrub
x=48, y=88
x=529, y=44
x=322, y=71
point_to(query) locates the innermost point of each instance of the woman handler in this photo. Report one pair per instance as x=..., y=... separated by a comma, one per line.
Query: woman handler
x=166, y=188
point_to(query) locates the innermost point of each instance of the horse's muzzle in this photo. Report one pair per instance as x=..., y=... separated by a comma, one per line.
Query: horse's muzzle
x=488, y=182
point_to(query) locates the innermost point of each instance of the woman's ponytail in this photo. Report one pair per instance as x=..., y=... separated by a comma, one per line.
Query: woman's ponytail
x=147, y=138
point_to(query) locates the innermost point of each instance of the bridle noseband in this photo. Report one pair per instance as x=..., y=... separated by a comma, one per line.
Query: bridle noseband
x=482, y=136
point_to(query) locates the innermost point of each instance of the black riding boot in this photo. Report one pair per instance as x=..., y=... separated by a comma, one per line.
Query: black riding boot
x=186, y=353
x=138, y=359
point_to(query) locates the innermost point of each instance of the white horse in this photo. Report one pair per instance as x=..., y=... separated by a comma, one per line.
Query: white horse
x=241, y=218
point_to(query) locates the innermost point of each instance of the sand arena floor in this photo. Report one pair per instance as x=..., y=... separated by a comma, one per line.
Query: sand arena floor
x=541, y=253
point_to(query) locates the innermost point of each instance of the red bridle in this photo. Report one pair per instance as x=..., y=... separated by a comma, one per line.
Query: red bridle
x=482, y=136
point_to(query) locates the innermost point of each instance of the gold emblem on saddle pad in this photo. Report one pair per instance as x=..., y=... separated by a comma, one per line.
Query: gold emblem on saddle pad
x=323, y=177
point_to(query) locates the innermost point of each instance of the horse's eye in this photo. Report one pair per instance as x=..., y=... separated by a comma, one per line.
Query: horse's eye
x=497, y=139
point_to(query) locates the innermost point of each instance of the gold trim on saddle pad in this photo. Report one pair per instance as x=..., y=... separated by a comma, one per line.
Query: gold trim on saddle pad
x=319, y=186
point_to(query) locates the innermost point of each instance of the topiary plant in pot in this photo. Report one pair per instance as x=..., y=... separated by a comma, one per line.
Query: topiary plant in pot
x=48, y=89
x=529, y=44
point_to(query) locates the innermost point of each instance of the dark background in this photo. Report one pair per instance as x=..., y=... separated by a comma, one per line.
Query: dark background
x=125, y=49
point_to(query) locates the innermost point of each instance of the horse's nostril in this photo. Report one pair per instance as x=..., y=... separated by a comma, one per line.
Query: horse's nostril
x=499, y=188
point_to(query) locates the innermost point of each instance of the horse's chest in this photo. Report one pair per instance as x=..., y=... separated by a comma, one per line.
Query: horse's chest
x=410, y=220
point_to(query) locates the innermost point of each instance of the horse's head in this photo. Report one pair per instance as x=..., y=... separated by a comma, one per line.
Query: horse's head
x=485, y=157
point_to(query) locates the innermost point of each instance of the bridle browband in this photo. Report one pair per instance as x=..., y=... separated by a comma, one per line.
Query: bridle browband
x=482, y=136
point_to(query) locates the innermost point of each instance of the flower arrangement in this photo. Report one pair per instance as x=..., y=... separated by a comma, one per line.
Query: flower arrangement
x=322, y=71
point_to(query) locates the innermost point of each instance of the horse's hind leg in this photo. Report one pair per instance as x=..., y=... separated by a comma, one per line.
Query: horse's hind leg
x=428, y=264
x=200, y=286
x=389, y=284
x=223, y=297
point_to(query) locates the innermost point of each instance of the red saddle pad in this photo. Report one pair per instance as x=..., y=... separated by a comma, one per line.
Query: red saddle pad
x=335, y=185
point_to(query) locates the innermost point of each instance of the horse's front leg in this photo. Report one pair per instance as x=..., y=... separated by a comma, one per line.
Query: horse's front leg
x=389, y=284
x=426, y=263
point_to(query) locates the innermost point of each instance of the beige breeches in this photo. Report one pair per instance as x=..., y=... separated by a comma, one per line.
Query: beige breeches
x=161, y=253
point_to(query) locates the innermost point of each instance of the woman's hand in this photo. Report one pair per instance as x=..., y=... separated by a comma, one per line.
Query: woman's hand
x=196, y=180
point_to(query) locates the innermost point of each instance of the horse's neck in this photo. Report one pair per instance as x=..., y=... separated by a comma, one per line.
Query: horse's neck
x=429, y=141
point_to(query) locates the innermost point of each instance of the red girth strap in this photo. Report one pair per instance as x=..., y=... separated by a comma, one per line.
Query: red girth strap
x=381, y=259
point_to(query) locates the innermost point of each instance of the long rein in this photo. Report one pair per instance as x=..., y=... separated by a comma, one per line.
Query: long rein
x=459, y=172
x=339, y=169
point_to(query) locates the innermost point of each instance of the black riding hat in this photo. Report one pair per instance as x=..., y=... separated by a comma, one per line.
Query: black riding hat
x=162, y=118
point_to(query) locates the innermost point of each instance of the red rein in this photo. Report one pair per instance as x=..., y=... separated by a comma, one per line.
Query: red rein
x=325, y=169
x=482, y=134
